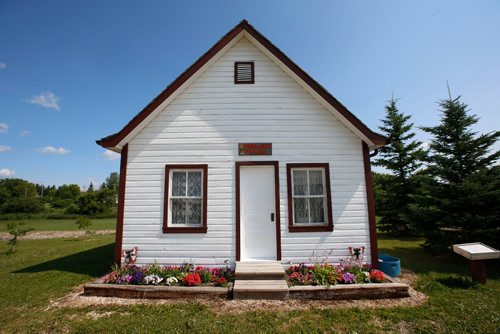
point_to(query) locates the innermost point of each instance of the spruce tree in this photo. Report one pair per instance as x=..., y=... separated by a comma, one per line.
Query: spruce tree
x=402, y=157
x=461, y=201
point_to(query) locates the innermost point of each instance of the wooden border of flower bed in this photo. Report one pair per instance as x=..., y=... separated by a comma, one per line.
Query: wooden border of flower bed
x=100, y=289
x=392, y=289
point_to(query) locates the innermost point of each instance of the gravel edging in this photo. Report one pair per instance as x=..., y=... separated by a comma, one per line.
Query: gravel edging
x=40, y=235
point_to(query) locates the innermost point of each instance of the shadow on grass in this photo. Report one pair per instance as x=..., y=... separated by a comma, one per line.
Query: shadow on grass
x=388, y=236
x=457, y=282
x=93, y=262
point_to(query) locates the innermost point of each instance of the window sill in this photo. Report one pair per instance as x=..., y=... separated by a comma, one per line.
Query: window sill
x=314, y=228
x=201, y=229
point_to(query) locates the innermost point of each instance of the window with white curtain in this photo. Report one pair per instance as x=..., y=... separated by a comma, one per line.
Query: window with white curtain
x=309, y=196
x=185, y=199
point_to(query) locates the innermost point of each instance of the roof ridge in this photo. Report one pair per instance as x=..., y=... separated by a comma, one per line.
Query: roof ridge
x=114, y=139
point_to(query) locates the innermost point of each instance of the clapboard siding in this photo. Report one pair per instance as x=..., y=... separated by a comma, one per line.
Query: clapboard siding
x=204, y=124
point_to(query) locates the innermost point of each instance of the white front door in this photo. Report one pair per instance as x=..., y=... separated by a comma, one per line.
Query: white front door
x=257, y=212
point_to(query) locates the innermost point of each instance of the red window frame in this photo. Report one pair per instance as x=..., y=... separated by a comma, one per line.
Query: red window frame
x=314, y=228
x=195, y=229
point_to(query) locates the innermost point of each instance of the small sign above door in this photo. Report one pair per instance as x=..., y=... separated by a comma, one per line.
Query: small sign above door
x=255, y=149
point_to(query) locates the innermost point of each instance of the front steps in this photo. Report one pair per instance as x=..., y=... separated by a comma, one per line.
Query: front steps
x=260, y=280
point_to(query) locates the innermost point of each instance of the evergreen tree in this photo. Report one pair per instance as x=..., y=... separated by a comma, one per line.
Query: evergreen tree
x=402, y=157
x=111, y=182
x=461, y=200
x=90, y=188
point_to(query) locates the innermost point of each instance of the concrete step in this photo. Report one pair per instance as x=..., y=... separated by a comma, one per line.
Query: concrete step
x=259, y=271
x=260, y=289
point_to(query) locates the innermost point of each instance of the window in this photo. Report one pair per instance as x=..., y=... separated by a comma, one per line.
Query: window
x=185, y=207
x=244, y=72
x=309, y=197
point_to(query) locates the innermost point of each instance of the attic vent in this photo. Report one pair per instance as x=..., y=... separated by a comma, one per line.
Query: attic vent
x=244, y=72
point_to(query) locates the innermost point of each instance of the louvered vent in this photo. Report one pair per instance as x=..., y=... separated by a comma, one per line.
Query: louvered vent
x=244, y=72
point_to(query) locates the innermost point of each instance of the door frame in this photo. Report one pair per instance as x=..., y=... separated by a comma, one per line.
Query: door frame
x=275, y=164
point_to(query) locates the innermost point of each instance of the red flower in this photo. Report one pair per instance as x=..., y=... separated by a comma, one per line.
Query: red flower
x=341, y=276
x=377, y=276
x=192, y=279
x=221, y=281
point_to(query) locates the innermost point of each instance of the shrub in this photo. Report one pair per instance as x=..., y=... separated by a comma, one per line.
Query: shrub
x=23, y=205
x=83, y=222
x=16, y=230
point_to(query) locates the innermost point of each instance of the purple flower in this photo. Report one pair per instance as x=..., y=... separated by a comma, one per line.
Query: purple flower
x=136, y=277
x=125, y=279
x=349, y=278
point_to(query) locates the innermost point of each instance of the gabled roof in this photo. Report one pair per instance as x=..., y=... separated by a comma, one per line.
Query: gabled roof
x=115, y=141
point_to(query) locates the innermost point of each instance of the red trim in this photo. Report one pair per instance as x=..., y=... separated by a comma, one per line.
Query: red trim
x=252, y=69
x=371, y=206
x=325, y=228
x=113, y=140
x=169, y=229
x=121, y=205
x=275, y=164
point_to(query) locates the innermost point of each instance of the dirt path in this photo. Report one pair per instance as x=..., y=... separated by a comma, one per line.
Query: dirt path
x=37, y=235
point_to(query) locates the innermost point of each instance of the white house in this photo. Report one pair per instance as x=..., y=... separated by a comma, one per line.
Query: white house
x=244, y=157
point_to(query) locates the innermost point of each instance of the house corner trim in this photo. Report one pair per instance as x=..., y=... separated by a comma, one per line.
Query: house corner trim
x=372, y=222
x=121, y=205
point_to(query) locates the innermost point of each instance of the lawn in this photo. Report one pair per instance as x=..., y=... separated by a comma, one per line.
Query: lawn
x=43, y=270
x=61, y=224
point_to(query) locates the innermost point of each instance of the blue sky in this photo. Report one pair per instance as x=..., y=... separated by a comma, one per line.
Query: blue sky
x=75, y=71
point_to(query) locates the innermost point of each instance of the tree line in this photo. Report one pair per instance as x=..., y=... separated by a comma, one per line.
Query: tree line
x=448, y=192
x=20, y=198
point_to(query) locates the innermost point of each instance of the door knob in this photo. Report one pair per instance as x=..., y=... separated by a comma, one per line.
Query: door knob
x=272, y=217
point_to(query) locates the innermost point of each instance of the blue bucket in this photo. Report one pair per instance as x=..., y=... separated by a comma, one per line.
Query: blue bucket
x=390, y=265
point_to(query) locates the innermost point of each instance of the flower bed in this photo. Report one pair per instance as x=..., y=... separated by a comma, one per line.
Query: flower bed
x=185, y=275
x=348, y=280
x=327, y=274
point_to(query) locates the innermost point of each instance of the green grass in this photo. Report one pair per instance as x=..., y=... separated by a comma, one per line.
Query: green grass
x=61, y=224
x=44, y=270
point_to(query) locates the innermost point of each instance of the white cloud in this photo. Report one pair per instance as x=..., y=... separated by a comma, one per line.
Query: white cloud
x=4, y=148
x=110, y=155
x=24, y=133
x=5, y=172
x=53, y=150
x=425, y=145
x=2, y=66
x=47, y=100
x=4, y=128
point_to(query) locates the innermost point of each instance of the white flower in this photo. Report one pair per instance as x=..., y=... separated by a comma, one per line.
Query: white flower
x=171, y=280
x=153, y=279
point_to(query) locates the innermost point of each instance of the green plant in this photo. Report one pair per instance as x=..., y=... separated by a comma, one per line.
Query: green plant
x=83, y=222
x=16, y=230
x=325, y=274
